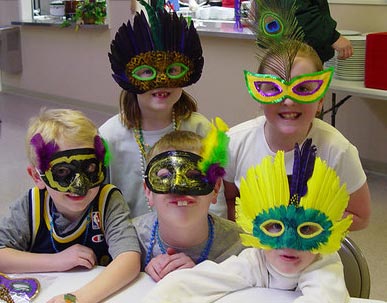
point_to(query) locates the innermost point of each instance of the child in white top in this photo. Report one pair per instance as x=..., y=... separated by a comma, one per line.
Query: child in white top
x=290, y=85
x=152, y=62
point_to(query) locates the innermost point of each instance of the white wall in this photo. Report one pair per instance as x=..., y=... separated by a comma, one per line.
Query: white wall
x=74, y=66
x=364, y=121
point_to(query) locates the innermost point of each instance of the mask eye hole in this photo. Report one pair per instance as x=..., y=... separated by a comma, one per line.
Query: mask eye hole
x=273, y=228
x=164, y=174
x=267, y=88
x=193, y=174
x=177, y=70
x=92, y=168
x=61, y=171
x=144, y=73
x=309, y=229
x=308, y=87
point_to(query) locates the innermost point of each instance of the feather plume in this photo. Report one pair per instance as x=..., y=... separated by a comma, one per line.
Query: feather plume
x=215, y=148
x=164, y=32
x=43, y=151
x=102, y=150
x=326, y=195
x=277, y=31
x=302, y=170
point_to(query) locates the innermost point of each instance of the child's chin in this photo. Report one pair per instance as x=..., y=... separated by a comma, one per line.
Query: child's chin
x=288, y=271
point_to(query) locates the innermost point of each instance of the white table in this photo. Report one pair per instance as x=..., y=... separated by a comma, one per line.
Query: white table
x=56, y=283
x=351, y=88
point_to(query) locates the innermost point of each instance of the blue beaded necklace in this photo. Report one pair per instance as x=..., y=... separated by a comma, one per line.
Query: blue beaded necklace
x=156, y=237
x=52, y=227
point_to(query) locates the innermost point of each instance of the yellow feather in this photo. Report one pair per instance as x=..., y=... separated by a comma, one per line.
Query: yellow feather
x=326, y=195
x=339, y=231
x=324, y=192
x=265, y=186
x=221, y=125
x=210, y=143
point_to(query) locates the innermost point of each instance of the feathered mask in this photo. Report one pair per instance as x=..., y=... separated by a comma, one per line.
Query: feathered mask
x=279, y=39
x=73, y=170
x=186, y=173
x=305, y=215
x=45, y=151
x=165, y=52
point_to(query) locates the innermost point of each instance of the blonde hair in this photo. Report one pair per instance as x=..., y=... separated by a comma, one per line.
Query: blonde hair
x=130, y=112
x=177, y=140
x=60, y=125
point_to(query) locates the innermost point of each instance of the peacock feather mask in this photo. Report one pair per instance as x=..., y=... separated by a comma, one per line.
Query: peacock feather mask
x=279, y=40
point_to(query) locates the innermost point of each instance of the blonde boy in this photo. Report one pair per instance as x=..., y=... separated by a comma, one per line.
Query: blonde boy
x=69, y=218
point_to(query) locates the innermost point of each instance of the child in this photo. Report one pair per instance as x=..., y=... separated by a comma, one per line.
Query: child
x=181, y=233
x=295, y=231
x=291, y=84
x=70, y=219
x=152, y=65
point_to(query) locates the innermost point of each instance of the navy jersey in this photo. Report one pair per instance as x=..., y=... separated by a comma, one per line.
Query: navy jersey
x=89, y=231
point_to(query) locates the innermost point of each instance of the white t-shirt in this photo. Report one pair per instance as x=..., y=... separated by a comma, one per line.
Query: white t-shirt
x=248, y=146
x=125, y=167
x=321, y=282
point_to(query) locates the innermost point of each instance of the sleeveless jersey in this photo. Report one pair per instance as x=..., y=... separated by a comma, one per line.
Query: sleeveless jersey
x=88, y=232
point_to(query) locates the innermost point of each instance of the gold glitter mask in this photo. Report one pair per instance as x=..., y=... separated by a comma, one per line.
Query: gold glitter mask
x=159, y=69
x=177, y=172
x=75, y=171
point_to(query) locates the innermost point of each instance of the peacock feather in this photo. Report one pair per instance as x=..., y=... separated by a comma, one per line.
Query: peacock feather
x=277, y=33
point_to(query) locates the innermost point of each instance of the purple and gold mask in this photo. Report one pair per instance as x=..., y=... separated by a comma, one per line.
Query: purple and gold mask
x=164, y=52
x=177, y=172
x=306, y=88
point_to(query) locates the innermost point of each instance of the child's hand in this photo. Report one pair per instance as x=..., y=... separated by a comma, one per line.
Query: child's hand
x=63, y=299
x=76, y=255
x=162, y=265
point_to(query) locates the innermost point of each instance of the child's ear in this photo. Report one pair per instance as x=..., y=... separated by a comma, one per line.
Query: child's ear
x=148, y=194
x=33, y=172
x=216, y=190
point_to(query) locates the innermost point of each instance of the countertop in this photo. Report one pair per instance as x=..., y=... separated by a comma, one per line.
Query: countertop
x=214, y=28
x=49, y=21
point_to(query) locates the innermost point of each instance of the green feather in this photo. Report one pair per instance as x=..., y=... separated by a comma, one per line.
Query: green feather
x=108, y=154
x=154, y=21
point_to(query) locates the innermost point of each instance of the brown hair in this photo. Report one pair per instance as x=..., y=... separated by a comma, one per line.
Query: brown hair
x=131, y=114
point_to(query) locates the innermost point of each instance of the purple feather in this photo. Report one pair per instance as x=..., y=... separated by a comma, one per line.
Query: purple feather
x=43, y=151
x=99, y=148
x=214, y=172
x=302, y=168
x=296, y=169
